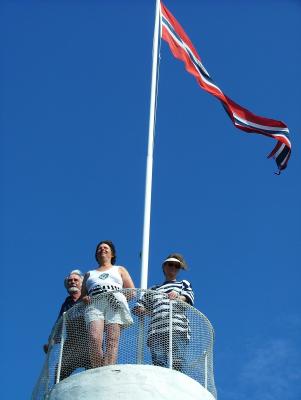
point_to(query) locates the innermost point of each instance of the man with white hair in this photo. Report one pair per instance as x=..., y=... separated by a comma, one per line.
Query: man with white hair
x=73, y=284
x=75, y=353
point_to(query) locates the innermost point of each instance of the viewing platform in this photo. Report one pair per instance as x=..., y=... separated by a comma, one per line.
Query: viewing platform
x=185, y=339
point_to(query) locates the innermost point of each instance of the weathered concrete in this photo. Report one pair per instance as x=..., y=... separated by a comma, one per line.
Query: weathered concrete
x=129, y=382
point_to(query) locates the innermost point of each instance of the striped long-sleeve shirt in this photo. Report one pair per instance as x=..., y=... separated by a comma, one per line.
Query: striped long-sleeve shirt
x=157, y=304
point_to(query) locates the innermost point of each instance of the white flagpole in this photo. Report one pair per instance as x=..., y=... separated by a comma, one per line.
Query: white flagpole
x=149, y=161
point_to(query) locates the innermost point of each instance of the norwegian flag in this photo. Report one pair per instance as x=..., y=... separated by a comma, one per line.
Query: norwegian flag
x=182, y=48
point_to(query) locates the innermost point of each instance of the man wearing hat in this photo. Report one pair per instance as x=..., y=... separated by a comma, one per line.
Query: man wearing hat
x=158, y=306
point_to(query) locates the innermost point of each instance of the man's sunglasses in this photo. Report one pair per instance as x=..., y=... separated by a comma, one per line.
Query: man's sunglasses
x=173, y=264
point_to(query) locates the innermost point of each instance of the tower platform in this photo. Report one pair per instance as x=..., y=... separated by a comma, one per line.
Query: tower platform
x=169, y=357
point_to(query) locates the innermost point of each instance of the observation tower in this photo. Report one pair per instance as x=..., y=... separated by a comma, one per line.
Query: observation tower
x=65, y=374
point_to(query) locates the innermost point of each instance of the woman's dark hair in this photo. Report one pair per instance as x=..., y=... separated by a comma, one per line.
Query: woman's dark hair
x=112, y=247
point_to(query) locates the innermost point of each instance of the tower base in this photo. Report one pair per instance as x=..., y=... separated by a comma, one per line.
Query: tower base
x=129, y=382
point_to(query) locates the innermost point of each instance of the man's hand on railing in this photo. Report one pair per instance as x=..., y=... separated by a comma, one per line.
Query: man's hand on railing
x=47, y=346
x=173, y=295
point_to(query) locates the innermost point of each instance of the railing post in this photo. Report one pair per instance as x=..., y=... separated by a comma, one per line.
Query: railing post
x=59, y=366
x=140, y=337
x=206, y=368
x=170, y=335
x=140, y=341
x=47, y=369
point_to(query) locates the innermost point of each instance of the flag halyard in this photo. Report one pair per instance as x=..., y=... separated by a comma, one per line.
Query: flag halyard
x=183, y=49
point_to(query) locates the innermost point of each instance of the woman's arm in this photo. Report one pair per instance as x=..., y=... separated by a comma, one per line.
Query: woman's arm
x=127, y=282
x=187, y=292
x=126, y=278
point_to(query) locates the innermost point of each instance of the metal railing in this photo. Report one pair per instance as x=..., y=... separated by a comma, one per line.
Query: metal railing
x=178, y=336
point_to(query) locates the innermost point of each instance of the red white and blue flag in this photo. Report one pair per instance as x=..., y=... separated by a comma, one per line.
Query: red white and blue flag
x=182, y=48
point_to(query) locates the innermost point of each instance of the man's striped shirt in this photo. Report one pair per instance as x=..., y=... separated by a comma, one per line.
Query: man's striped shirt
x=157, y=303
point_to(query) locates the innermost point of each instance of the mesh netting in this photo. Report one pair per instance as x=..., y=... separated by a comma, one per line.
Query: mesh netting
x=143, y=327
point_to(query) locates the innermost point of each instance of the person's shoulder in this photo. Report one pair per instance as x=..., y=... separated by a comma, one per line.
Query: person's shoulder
x=186, y=283
x=64, y=305
x=154, y=287
x=67, y=300
x=119, y=268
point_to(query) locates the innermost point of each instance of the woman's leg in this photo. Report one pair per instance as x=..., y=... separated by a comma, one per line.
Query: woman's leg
x=95, y=346
x=112, y=342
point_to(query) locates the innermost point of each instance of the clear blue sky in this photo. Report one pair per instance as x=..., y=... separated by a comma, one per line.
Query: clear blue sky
x=75, y=87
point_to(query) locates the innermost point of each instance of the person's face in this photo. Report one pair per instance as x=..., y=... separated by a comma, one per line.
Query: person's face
x=74, y=283
x=104, y=251
x=171, y=269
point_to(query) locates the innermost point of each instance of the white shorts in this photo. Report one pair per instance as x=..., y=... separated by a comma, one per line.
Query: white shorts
x=110, y=307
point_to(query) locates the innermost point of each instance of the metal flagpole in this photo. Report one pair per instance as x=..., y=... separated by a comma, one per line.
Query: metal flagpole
x=149, y=162
x=148, y=180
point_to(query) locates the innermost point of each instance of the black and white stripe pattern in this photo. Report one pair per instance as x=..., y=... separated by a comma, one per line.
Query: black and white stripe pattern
x=157, y=303
x=101, y=289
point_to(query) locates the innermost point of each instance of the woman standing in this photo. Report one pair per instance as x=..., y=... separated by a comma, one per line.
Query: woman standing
x=110, y=311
